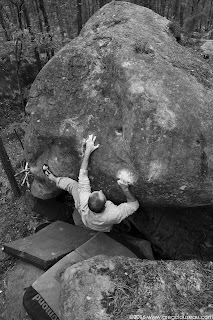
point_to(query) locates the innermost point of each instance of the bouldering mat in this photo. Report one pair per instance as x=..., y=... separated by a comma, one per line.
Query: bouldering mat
x=50, y=244
x=41, y=300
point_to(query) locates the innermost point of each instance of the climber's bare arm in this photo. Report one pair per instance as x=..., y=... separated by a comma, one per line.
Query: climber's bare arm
x=125, y=188
x=90, y=147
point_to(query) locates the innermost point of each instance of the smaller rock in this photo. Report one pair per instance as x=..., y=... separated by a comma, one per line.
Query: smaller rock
x=144, y=246
x=207, y=47
x=114, y=288
x=209, y=240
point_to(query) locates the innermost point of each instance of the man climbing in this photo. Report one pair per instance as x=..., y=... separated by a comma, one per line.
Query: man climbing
x=93, y=209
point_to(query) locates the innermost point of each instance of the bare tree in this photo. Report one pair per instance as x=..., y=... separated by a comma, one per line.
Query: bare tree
x=79, y=15
x=59, y=15
x=32, y=36
x=194, y=6
x=163, y=7
x=176, y=10
x=18, y=5
x=50, y=53
x=4, y=23
x=6, y=164
x=209, y=24
x=38, y=15
x=12, y=13
x=181, y=14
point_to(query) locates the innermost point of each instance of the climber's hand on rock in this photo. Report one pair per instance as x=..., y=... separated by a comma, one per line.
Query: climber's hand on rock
x=90, y=144
x=123, y=184
x=125, y=188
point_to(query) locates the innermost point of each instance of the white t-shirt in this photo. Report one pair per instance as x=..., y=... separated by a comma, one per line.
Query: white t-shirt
x=112, y=214
x=103, y=222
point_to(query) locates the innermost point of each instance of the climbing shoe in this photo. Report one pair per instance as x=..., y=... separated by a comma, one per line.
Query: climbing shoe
x=46, y=170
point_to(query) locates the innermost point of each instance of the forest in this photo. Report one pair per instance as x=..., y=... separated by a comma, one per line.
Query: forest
x=38, y=28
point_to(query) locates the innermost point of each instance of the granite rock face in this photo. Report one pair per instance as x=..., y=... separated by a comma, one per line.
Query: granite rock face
x=126, y=80
x=115, y=288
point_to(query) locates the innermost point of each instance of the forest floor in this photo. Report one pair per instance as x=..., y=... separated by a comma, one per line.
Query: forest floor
x=17, y=219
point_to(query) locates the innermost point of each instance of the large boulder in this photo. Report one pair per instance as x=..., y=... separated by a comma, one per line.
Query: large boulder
x=146, y=98
x=115, y=288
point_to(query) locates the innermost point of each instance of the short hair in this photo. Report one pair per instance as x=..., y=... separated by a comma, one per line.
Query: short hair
x=95, y=204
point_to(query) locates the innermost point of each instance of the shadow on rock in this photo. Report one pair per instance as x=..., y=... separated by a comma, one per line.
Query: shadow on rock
x=177, y=233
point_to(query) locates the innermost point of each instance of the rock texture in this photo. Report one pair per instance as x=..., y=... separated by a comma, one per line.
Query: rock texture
x=126, y=80
x=106, y=288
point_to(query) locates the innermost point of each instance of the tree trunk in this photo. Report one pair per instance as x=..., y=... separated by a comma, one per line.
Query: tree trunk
x=168, y=9
x=43, y=10
x=158, y=6
x=38, y=15
x=26, y=17
x=194, y=7
x=12, y=13
x=210, y=16
x=59, y=18
x=182, y=9
x=28, y=23
x=6, y=164
x=79, y=16
x=176, y=10
x=18, y=8
x=202, y=19
x=47, y=25
x=4, y=24
x=18, y=53
x=163, y=7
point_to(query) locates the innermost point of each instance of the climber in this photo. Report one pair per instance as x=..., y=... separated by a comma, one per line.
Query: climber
x=94, y=211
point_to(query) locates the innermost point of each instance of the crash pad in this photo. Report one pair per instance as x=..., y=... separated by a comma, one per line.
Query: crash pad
x=42, y=298
x=50, y=244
